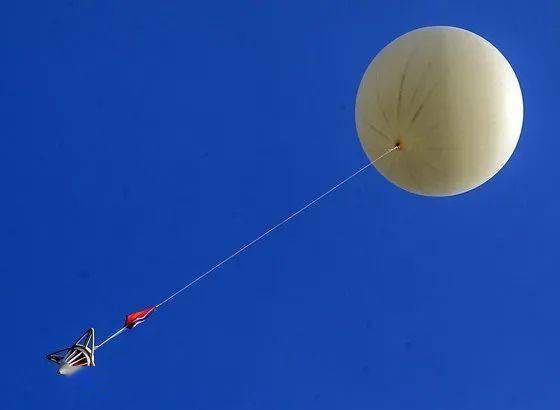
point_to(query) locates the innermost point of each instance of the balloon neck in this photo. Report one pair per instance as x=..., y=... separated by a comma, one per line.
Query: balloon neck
x=397, y=145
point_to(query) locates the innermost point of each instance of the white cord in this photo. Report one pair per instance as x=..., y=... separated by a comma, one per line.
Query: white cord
x=118, y=332
x=278, y=225
x=257, y=239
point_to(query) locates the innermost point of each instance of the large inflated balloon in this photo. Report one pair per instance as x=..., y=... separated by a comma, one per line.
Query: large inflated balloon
x=449, y=101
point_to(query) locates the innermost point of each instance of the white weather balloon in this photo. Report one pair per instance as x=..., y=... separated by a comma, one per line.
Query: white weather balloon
x=451, y=103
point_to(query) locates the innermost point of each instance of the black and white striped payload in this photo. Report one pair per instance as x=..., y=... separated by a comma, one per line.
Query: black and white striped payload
x=73, y=358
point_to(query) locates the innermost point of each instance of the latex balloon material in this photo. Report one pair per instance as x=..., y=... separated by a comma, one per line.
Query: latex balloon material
x=451, y=103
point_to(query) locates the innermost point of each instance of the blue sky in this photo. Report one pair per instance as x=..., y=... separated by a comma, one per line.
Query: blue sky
x=144, y=141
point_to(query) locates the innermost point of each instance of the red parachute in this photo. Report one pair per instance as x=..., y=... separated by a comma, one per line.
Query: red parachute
x=135, y=318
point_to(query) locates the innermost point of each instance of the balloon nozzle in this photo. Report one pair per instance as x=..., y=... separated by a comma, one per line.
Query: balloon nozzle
x=397, y=145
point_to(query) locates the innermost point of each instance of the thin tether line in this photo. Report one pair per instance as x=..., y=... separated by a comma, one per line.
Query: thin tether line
x=278, y=225
x=115, y=334
x=258, y=238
